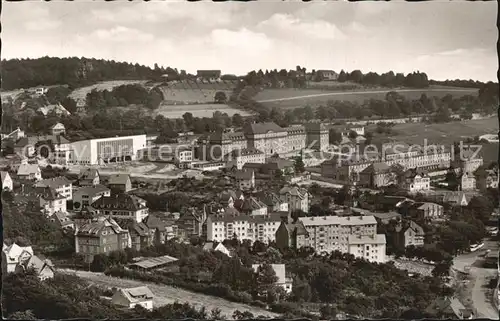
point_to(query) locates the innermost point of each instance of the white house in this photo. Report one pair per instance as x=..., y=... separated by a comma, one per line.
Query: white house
x=89, y=177
x=52, y=201
x=280, y=270
x=369, y=247
x=87, y=195
x=43, y=268
x=12, y=255
x=58, y=129
x=29, y=172
x=419, y=182
x=131, y=297
x=60, y=184
x=6, y=181
x=297, y=198
x=245, y=179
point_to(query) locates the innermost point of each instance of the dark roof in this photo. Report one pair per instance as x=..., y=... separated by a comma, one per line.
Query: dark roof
x=249, y=204
x=153, y=222
x=274, y=163
x=118, y=179
x=119, y=202
x=243, y=175
x=32, y=140
x=139, y=228
x=245, y=151
x=262, y=128
x=55, y=182
x=95, y=227
x=376, y=168
x=88, y=173
x=268, y=198
x=253, y=166
x=49, y=194
x=92, y=190
x=208, y=73
x=297, y=227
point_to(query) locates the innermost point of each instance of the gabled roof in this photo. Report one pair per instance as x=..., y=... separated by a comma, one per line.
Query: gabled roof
x=140, y=229
x=262, y=128
x=249, y=204
x=119, y=179
x=295, y=191
x=376, y=168
x=153, y=222
x=55, y=182
x=416, y=228
x=95, y=228
x=57, y=125
x=120, y=202
x=88, y=173
x=13, y=251
x=4, y=175
x=27, y=169
x=92, y=190
x=36, y=263
x=298, y=228
x=138, y=294
x=243, y=175
x=278, y=163
x=49, y=194
x=245, y=152
x=268, y=198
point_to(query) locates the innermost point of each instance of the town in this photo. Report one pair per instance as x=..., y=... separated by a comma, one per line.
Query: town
x=138, y=192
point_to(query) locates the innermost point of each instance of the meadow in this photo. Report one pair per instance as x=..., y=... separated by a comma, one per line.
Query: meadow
x=294, y=98
x=198, y=110
x=81, y=93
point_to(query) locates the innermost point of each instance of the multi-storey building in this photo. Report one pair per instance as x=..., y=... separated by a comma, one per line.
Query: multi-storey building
x=273, y=201
x=239, y=157
x=376, y=175
x=51, y=201
x=468, y=161
x=122, y=206
x=102, y=235
x=226, y=224
x=120, y=183
x=369, y=247
x=267, y=137
x=346, y=168
x=467, y=181
x=87, y=195
x=105, y=150
x=409, y=234
x=217, y=145
x=430, y=158
x=415, y=181
x=89, y=177
x=190, y=224
x=56, y=148
x=297, y=198
x=317, y=136
x=60, y=184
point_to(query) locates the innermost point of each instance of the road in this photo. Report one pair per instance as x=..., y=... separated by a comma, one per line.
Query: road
x=351, y=93
x=164, y=294
x=480, y=278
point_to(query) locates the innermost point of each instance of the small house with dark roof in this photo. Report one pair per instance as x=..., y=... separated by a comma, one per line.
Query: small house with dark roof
x=245, y=179
x=157, y=229
x=291, y=235
x=139, y=234
x=376, y=175
x=119, y=183
x=190, y=223
x=208, y=75
x=416, y=180
x=273, y=201
x=251, y=206
x=51, y=201
x=63, y=220
x=89, y=177
x=122, y=206
x=449, y=308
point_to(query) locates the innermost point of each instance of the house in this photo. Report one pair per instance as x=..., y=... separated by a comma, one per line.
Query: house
x=43, y=268
x=490, y=181
x=60, y=184
x=12, y=255
x=369, y=247
x=122, y=206
x=87, y=195
x=239, y=157
x=119, y=183
x=291, y=235
x=327, y=74
x=274, y=164
x=456, y=198
x=139, y=235
x=7, y=183
x=449, y=308
x=273, y=202
x=89, y=177
x=190, y=224
x=227, y=198
x=383, y=218
x=416, y=180
x=63, y=220
x=467, y=181
x=280, y=270
x=297, y=198
x=209, y=246
x=51, y=201
x=55, y=148
x=157, y=229
x=409, y=233
x=58, y=109
x=58, y=129
x=251, y=206
x=131, y=297
x=210, y=75
x=245, y=179
x=422, y=210
x=376, y=175
x=102, y=235
x=29, y=172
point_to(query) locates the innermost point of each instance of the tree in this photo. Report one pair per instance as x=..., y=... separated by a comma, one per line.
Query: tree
x=353, y=134
x=238, y=315
x=220, y=97
x=334, y=136
x=328, y=312
x=299, y=165
x=265, y=277
x=237, y=120
x=452, y=180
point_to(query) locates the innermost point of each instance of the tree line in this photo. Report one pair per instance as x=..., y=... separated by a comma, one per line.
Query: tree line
x=124, y=95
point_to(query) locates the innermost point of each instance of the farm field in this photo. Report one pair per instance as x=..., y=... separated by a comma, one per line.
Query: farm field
x=198, y=110
x=164, y=294
x=443, y=134
x=81, y=93
x=294, y=98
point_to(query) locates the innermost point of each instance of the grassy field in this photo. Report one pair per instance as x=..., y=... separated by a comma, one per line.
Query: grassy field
x=164, y=294
x=199, y=110
x=294, y=98
x=443, y=134
x=81, y=93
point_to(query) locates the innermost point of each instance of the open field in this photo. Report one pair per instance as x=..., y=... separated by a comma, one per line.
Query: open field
x=294, y=98
x=443, y=134
x=198, y=110
x=164, y=294
x=81, y=93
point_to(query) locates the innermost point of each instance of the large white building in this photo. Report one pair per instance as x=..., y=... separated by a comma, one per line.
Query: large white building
x=103, y=150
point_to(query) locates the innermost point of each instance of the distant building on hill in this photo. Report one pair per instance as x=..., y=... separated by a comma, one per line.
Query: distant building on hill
x=210, y=75
x=327, y=74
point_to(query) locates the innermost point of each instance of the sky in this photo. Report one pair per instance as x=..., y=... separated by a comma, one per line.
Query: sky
x=447, y=40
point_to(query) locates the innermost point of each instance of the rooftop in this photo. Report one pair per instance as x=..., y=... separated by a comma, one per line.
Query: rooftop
x=338, y=220
x=155, y=262
x=358, y=239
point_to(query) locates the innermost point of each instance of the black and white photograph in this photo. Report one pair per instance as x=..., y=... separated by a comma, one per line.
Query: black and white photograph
x=238, y=160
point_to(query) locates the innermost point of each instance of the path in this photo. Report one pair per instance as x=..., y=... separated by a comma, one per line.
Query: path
x=353, y=93
x=165, y=294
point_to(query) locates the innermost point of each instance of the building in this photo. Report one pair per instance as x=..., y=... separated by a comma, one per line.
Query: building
x=346, y=168
x=267, y=137
x=490, y=181
x=209, y=246
x=227, y=198
x=429, y=158
x=208, y=75
x=376, y=175
x=89, y=177
x=297, y=198
x=230, y=223
x=327, y=74
x=60, y=184
x=131, y=297
x=239, y=157
x=368, y=247
x=29, y=172
x=158, y=230
x=456, y=198
x=467, y=181
x=58, y=129
x=51, y=201
x=43, y=268
x=449, y=308
x=422, y=210
x=317, y=136
x=58, y=109
x=251, y=206
x=7, y=183
x=409, y=234
x=140, y=235
x=14, y=135
x=415, y=181
x=63, y=220
x=12, y=255
x=273, y=201
x=245, y=179
x=55, y=148
x=282, y=280
x=190, y=224
x=87, y=195
x=101, y=236
x=120, y=183
x=122, y=206
x=104, y=150
x=468, y=161
x=291, y=235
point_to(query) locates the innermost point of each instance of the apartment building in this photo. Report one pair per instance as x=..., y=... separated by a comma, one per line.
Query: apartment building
x=51, y=201
x=239, y=157
x=87, y=195
x=273, y=201
x=103, y=235
x=376, y=175
x=120, y=183
x=122, y=206
x=297, y=198
x=56, y=148
x=415, y=181
x=60, y=184
x=430, y=158
x=409, y=234
x=369, y=247
x=317, y=136
x=467, y=181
